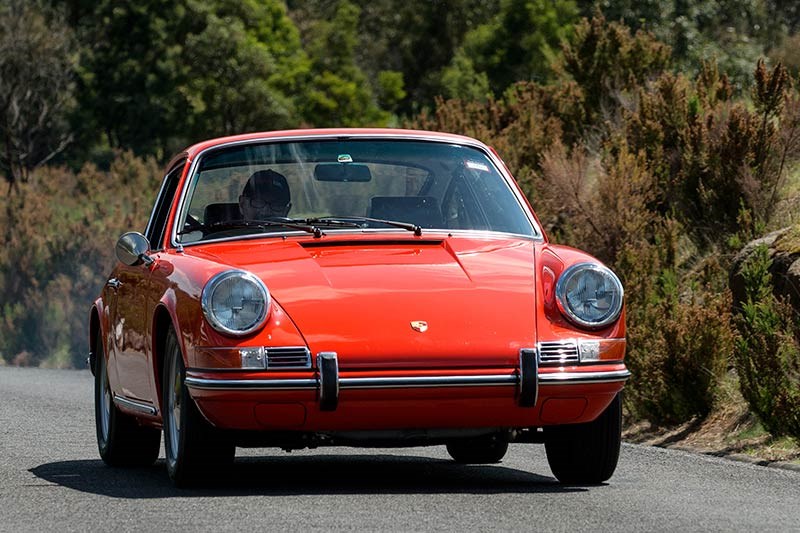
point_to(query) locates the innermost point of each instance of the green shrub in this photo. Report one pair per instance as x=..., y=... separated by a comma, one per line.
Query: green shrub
x=716, y=159
x=679, y=348
x=609, y=65
x=768, y=350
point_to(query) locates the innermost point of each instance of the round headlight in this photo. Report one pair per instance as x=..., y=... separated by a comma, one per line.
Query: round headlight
x=589, y=295
x=235, y=302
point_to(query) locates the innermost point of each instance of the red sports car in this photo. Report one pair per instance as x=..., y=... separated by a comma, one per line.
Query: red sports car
x=356, y=287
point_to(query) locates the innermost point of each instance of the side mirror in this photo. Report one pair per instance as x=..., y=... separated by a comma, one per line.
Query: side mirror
x=132, y=249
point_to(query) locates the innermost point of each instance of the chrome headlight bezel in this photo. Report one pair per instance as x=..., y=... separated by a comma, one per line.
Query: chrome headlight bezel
x=563, y=303
x=245, y=277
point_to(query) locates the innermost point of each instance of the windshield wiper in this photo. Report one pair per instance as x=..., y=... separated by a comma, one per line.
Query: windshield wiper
x=330, y=221
x=348, y=220
x=258, y=224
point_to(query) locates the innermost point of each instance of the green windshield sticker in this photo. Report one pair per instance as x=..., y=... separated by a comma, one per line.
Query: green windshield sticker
x=344, y=158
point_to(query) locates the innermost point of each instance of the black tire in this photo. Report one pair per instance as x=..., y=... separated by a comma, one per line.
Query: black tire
x=121, y=440
x=485, y=449
x=193, y=447
x=586, y=454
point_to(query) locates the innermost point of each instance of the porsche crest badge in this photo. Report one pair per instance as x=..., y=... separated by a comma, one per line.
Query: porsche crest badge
x=419, y=325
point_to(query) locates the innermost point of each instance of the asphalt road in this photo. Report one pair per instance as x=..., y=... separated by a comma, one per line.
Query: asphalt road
x=51, y=479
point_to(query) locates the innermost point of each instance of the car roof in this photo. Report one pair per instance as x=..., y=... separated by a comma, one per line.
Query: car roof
x=195, y=149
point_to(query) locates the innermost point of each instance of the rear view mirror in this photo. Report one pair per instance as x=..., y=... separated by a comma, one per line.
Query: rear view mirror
x=342, y=172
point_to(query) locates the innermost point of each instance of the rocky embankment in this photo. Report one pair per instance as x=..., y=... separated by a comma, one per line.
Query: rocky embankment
x=784, y=250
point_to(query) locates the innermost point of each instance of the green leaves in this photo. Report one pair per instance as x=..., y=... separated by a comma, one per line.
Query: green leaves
x=338, y=92
x=163, y=74
x=767, y=354
x=235, y=80
x=608, y=64
x=519, y=43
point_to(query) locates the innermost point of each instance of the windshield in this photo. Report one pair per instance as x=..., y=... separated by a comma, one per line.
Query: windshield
x=347, y=185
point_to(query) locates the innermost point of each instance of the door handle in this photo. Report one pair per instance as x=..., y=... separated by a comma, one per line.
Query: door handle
x=114, y=283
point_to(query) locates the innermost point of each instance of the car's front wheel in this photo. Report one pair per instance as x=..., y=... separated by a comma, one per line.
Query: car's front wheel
x=120, y=439
x=586, y=454
x=192, y=445
x=485, y=449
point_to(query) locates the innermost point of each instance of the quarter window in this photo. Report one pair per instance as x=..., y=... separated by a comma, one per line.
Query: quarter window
x=157, y=226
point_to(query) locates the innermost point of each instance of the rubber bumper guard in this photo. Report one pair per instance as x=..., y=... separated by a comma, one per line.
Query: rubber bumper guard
x=328, y=365
x=528, y=377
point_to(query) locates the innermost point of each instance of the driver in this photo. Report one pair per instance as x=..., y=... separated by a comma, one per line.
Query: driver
x=265, y=195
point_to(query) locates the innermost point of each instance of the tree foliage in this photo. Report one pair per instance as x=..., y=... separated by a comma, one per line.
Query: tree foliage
x=519, y=43
x=244, y=65
x=732, y=33
x=607, y=64
x=414, y=39
x=36, y=87
x=159, y=74
x=338, y=91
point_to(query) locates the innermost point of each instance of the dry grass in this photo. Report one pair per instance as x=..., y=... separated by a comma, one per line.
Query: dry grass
x=786, y=211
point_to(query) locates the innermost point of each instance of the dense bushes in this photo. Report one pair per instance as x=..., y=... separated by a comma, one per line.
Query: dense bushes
x=658, y=175
x=58, y=231
x=768, y=350
x=679, y=348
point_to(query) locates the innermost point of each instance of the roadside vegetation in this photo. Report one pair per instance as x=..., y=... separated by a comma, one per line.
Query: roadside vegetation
x=661, y=136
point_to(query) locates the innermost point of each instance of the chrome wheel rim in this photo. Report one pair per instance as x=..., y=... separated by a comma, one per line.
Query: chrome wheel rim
x=105, y=401
x=174, y=409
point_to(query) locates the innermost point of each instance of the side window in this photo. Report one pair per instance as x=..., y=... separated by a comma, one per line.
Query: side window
x=157, y=226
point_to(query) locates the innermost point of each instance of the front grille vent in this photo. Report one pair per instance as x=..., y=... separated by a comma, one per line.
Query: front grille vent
x=558, y=352
x=288, y=357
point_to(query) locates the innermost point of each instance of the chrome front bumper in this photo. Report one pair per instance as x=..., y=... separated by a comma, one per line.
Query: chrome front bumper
x=512, y=380
x=327, y=381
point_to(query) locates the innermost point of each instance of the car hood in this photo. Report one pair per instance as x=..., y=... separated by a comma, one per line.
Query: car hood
x=401, y=303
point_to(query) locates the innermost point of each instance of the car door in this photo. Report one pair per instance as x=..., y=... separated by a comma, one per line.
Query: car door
x=132, y=321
